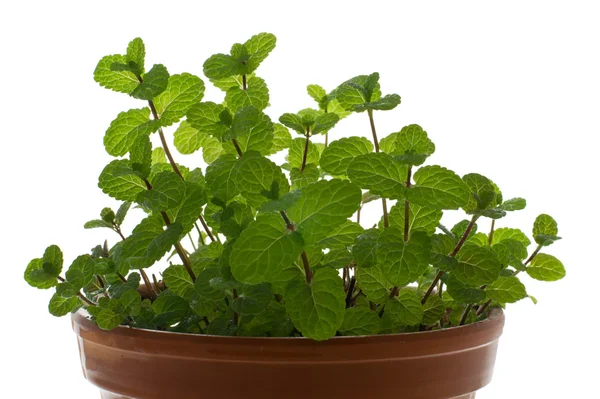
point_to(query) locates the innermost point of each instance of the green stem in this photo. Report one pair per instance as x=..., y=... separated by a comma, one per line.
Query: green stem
x=305, y=154
x=290, y=226
x=350, y=291
x=386, y=221
x=446, y=231
x=79, y=294
x=491, y=235
x=407, y=206
x=452, y=254
x=463, y=319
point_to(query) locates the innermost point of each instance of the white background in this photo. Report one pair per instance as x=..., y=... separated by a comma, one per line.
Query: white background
x=507, y=89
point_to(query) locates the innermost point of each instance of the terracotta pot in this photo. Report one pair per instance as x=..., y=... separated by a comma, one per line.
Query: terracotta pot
x=131, y=363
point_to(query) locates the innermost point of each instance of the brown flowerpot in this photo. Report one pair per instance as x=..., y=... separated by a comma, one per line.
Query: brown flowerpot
x=131, y=363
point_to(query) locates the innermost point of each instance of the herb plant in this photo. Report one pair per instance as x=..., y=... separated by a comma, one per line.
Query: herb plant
x=278, y=250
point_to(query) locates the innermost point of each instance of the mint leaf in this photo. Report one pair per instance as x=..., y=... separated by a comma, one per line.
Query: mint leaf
x=506, y=290
x=60, y=306
x=510, y=252
x=296, y=153
x=388, y=143
x=322, y=207
x=412, y=140
x=206, y=118
x=188, y=210
x=420, y=218
x=505, y=233
x=141, y=155
x=352, y=94
x=324, y=123
x=155, y=81
x=461, y=227
x=293, y=122
x=545, y=230
x=264, y=250
x=37, y=277
x=462, y=293
x=81, y=271
x=360, y=321
x=338, y=155
x=301, y=179
x=259, y=179
x=219, y=178
x=188, y=139
x=167, y=192
x=282, y=203
x=386, y=103
x=252, y=299
x=93, y=224
x=483, y=192
x=123, y=81
x=477, y=265
x=373, y=283
x=182, y=92
x=342, y=236
x=364, y=249
x=122, y=212
x=170, y=309
x=161, y=244
x=256, y=95
x=433, y=310
x=317, y=309
x=211, y=149
x=220, y=66
x=131, y=302
x=402, y=262
x=546, y=267
x=136, y=54
x=514, y=204
x=378, y=173
x=438, y=187
x=318, y=94
x=282, y=139
x=108, y=319
x=441, y=246
x=258, y=47
x=179, y=281
x=405, y=310
x=126, y=129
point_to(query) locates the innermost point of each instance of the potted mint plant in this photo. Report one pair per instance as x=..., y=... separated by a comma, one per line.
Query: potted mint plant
x=273, y=287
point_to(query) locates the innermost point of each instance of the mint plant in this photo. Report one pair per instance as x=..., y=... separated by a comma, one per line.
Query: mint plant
x=260, y=249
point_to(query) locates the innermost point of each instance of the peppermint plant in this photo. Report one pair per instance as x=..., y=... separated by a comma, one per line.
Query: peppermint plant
x=255, y=248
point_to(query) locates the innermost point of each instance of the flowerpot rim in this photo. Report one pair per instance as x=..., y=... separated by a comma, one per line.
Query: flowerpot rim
x=496, y=318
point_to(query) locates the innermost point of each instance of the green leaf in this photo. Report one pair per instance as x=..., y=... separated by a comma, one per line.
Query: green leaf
x=480, y=239
x=505, y=233
x=335, y=259
x=141, y=155
x=317, y=309
x=170, y=309
x=433, y=310
x=483, y=192
x=379, y=173
x=420, y=218
x=352, y=94
x=405, y=310
x=322, y=207
x=259, y=179
x=154, y=82
x=364, y=249
x=323, y=123
x=252, y=299
x=441, y=246
x=506, y=290
x=60, y=306
x=220, y=66
x=123, y=81
x=93, y=224
x=37, y=277
x=162, y=243
x=438, y=187
x=301, y=179
x=182, y=92
x=402, y=262
x=256, y=95
x=219, y=178
x=296, y=153
x=126, y=129
x=283, y=203
x=340, y=153
x=412, y=140
x=122, y=212
x=360, y=321
x=388, y=143
x=167, y=192
x=264, y=250
x=254, y=136
x=514, y=204
x=81, y=271
x=107, y=215
x=282, y=139
x=463, y=293
x=545, y=230
x=477, y=265
x=318, y=94
x=188, y=139
x=386, y=103
x=546, y=267
x=510, y=252
x=131, y=302
x=259, y=46
x=108, y=319
x=178, y=280
x=373, y=283
x=293, y=122
x=136, y=54
x=342, y=236
x=206, y=118
x=461, y=227
x=204, y=284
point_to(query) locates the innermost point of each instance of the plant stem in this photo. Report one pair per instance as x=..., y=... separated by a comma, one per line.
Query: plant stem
x=237, y=148
x=350, y=291
x=446, y=231
x=491, y=236
x=118, y=230
x=407, y=206
x=192, y=241
x=358, y=214
x=394, y=292
x=244, y=82
x=463, y=319
x=452, y=254
x=148, y=284
x=483, y=307
x=305, y=154
x=386, y=221
x=236, y=317
x=79, y=294
x=121, y=277
x=290, y=226
x=205, y=226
